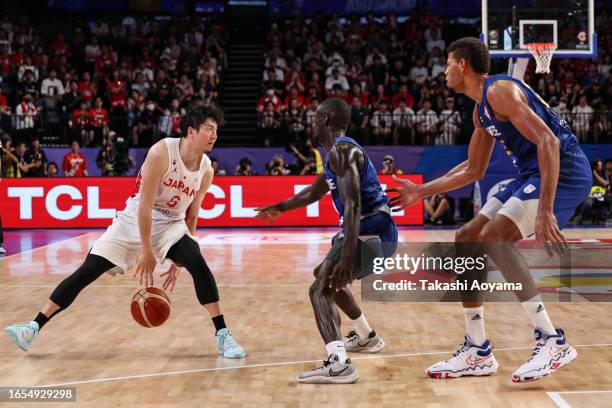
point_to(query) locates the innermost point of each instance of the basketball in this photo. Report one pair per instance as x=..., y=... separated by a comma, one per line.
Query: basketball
x=150, y=307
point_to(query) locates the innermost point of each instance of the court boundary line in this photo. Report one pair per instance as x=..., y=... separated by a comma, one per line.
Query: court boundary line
x=275, y=364
x=556, y=397
x=45, y=246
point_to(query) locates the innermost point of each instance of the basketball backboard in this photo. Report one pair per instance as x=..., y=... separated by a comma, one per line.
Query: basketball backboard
x=508, y=25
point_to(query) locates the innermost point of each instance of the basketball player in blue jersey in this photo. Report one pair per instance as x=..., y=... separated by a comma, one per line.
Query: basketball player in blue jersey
x=367, y=230
x=553, y=179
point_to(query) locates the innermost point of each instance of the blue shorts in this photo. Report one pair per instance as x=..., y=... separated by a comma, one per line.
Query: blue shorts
x=380, y=225
x=573, y=187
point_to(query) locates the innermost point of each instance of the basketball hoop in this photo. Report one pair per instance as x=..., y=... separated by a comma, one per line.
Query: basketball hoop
x=543, y=53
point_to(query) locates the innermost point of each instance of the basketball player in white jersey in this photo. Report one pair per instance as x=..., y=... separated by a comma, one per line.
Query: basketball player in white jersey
x=158, y=223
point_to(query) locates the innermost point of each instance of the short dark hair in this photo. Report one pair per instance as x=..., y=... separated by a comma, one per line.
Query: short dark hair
x=473, y=51
x=197, y=114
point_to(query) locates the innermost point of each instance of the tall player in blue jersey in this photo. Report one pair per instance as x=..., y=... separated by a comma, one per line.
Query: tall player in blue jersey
x=553, y=179
x=367, y=228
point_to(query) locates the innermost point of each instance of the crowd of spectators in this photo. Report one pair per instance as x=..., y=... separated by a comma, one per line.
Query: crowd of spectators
x=392, y=75
x=133, y=76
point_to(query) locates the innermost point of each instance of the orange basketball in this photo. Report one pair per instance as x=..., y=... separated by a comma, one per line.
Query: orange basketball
x=150, y=307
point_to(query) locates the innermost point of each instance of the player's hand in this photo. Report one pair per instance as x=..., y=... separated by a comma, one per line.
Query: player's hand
x=145, y=266
x=548, y=233
x=408, y=194
x=342, y=274
x=171, y=276
x=268, y=214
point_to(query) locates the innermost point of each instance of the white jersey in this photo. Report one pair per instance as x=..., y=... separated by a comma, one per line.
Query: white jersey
x=175, y=192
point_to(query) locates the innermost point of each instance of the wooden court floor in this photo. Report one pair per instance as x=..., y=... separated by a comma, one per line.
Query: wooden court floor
x=263, y=278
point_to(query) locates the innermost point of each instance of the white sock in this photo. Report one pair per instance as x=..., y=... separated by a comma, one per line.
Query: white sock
x=362, y=327
x=474, y=324
x=337, y=348
x=537, y=314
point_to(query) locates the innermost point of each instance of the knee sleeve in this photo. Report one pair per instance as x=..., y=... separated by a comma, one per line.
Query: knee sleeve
x=92, y=268
x=186, y=253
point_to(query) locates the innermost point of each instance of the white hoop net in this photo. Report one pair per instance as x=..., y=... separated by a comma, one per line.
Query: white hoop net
x=543, y=53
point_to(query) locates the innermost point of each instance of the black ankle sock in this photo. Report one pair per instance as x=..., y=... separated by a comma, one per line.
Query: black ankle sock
x=218, y=322
x=41, y=319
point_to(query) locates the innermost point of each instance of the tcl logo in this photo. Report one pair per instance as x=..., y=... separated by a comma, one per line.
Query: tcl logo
x=26, y=196
x=230, y=201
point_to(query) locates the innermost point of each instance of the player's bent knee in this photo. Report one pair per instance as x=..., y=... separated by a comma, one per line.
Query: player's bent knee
x=466, y=234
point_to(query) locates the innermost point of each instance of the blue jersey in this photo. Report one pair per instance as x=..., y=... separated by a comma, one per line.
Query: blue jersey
x=524, y=153
x=372, y=194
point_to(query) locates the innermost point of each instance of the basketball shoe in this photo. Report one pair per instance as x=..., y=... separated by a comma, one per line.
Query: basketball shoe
x=551, y=352
x=468, y=359
x=227, y=346
x=355, y=344
x=22, y=334
x=332, y=372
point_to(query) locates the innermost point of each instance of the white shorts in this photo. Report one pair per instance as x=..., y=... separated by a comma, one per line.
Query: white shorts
x=522, y=213
x=121, y=243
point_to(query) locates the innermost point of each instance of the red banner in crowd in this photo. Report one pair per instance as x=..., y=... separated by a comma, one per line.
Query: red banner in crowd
x=230, y=202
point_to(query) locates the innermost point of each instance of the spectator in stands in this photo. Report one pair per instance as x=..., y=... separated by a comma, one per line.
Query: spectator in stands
x=277, y=167
x=5, y=110
x=398, y=76
x=309, y=158
x=388, y=166
x=51, y=171
x=268, y=125
x=26, y=113
x=295, y=78
x=438, y=210
x=99, y=119
x=214, y=163
x=336, y=79
x=244, y=168
x=435, y=41
x=106, y=158
x=379, y=97
x=75, y=162
x=561, y=109
x=402, y=94
x=582, y=115
x=378, y=74
x=294, y=95
x=427, y=123
x=8, y=161
x=144, y=133
x=403, y=123
x=27, y=66
x=418, y=73
x=294, y=123
x=71, y=99
x=271, y=81
x=597, y=204
x=381, y=123
x=28, y=87
x=36, y=159
x=309, y=116
x=450, y=120
x=360, y=116
x=354, y=70
x=88, y=89
x=52, y=87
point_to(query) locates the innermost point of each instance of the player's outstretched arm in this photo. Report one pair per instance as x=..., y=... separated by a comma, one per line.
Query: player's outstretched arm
x=344, y=160
x=479, y=153
x=307, y=196
x=151, y=174
x=508, y=100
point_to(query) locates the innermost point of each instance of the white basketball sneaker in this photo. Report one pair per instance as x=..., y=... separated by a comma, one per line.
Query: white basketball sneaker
x=22, y=334
x=550, y=353
x=468, y=359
